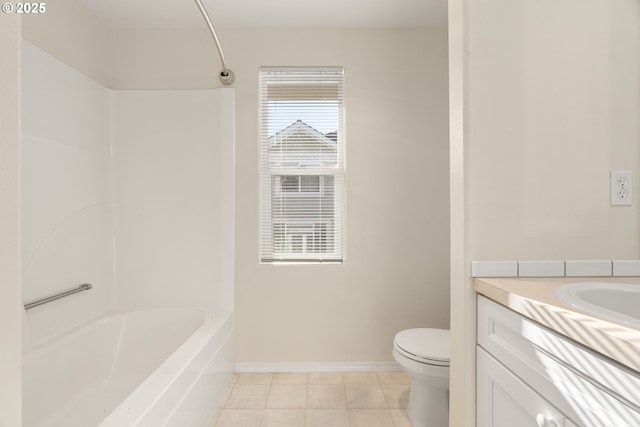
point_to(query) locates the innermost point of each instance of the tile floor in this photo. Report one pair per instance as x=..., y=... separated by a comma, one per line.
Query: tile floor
x=316, y=399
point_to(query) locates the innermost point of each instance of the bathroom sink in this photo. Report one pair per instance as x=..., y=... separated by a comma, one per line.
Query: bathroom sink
x=619, y=302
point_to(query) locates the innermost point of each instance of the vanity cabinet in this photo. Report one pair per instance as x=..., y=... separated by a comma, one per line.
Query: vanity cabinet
x=531, y=376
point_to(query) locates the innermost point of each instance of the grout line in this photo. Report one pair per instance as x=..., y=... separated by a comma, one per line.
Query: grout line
x=273, y=377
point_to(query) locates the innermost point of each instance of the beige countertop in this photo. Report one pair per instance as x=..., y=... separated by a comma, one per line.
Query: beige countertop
x=535, y=299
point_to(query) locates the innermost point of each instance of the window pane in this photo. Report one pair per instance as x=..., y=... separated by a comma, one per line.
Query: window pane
x=287, y=112
x=299, y=145
x=310, y=184
x=290, y=183
x=296, y=243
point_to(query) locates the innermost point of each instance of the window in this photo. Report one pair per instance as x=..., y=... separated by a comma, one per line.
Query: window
x=301, y=164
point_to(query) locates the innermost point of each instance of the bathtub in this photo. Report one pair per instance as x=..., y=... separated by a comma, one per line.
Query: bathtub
x=153, y=367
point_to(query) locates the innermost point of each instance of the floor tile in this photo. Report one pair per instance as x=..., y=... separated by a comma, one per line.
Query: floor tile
x=326, y=396
x=370, y=418
x=316, y=399
x=290, y=378
x=360, y=378
x=283, y=418
x=393, y=377
x=365, y=396
x=397, y=395
x=325, y=378
x=247, y=397
x=327, y=418
x=400, y=418
x=287, y=396
x=239, y=418
x=254, y=378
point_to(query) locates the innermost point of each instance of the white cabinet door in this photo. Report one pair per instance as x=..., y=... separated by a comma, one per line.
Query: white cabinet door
x=505, y=401
x=587, y=388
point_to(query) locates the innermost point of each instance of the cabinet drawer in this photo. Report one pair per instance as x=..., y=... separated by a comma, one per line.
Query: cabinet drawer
x=592, y=390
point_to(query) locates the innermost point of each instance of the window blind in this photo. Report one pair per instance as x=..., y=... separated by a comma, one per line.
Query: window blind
x=301, y=164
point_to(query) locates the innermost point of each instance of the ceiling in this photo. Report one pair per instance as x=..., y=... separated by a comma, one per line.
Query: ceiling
x=270, y=13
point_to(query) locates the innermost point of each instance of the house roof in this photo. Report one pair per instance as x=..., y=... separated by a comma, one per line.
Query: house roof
x=300, y=131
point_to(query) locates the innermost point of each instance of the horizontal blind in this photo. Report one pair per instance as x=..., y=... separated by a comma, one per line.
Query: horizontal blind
x=301, y=164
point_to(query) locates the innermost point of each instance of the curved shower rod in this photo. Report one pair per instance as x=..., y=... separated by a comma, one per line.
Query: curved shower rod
x=226, y=75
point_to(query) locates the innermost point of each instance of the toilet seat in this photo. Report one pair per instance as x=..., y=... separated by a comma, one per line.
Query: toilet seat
x=424, y=345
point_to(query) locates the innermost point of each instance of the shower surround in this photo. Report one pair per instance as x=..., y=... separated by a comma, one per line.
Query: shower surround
x=131, y=191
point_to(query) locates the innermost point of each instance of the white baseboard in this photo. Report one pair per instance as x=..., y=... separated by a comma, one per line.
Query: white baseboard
x=318, y=367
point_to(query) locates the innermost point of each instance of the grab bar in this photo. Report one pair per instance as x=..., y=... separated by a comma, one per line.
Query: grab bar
x=83, y=287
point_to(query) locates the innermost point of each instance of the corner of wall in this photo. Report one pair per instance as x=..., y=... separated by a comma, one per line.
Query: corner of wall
x=72, y=34
x=11, y=301
x=463, y=338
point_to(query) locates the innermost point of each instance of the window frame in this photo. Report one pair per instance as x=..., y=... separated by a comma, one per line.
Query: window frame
x=268, y=249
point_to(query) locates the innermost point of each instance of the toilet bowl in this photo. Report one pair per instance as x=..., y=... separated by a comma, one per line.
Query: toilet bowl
x=424, y=355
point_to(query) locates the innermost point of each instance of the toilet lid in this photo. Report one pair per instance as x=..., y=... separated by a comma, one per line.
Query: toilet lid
x=425, y=343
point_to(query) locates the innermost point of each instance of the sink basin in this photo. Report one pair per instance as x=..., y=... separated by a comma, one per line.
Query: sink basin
x=619, y=302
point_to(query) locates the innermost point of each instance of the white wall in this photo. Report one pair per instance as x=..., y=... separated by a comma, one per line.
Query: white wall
x=10, y=291
x=67, y=232
x=173, y=155
x=462, y=396
x=553, y=108
x=545, y=103
x=395, y=273
x=68, y=31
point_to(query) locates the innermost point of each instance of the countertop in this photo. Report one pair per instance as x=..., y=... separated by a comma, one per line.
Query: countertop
x=534, y=298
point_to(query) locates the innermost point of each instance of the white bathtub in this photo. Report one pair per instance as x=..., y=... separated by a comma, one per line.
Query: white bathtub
x=156, y=367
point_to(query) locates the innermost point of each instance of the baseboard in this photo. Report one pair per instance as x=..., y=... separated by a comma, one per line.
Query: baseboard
x=318, y=367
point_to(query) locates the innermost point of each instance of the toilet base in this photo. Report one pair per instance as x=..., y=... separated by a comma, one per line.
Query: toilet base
x=428, y=406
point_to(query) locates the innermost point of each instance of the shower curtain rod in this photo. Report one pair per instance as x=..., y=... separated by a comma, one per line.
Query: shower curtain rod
x=226, y=75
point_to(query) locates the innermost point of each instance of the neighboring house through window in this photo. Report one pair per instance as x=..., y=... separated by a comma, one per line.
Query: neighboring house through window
x=302, y=165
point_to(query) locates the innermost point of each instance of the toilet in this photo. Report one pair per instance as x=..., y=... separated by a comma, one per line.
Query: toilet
x=424, y=354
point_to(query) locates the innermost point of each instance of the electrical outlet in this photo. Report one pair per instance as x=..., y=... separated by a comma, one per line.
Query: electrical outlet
x=621, y=188
x=622, y=181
